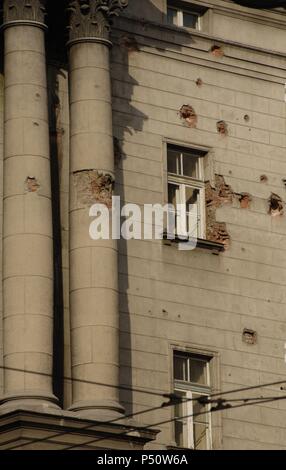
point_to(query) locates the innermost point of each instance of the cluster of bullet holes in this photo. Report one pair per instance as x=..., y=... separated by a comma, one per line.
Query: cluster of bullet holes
x=188, y=114
x=275, y=202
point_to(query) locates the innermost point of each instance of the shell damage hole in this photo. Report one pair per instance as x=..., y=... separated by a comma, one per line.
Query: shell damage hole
x=32, y=185
x=188, y=114
x=217, y=51
x=276, y=206
x=222, y=128
x=93, y=187
x=216, y=197
x=245, y=200
x=249, y=336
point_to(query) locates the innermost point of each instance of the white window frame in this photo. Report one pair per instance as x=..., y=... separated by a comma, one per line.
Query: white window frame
x=180, y=16
x=189, y=388
x=183, y=182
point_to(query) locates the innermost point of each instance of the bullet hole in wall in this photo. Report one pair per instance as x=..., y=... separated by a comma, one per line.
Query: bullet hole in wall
x=32, y=185
x=249, y=336
x=276, y=206
x=93, y=187
x=263, y=178
x=222, y=128
x=199, y=82
x=245, y=200
x=217, y=51
x=246, y=118
x=188, y=114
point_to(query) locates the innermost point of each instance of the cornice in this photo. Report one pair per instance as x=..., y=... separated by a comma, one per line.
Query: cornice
x=91, y=20
x=176, y=43
x=178, y=36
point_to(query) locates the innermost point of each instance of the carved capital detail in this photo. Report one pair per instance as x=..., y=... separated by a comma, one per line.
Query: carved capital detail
x=92, y=19
x=24, y=10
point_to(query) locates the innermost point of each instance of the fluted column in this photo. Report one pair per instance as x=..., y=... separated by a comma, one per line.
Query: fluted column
x=93, y=264
x=27, y=239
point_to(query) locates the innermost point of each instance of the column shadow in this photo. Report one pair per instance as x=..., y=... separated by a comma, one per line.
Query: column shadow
x=132, y=122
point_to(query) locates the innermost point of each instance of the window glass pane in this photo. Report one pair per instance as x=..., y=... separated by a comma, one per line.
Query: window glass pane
x=179, y=433
x=192, y=197
x=190, y=20
x=200, y=436
x=172, y=16
x=173, y=194
x=199, y=409
x=191, y=166
x=192, y=210
x=198, y=371
x=200, y=424
x=180, y=424
x=180, y=367
x=174, y=161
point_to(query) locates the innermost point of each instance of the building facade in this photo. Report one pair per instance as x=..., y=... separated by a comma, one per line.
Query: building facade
x=138, y=343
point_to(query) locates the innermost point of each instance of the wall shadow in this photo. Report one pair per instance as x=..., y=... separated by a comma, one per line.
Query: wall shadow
x=132, y=121
x=56, y=60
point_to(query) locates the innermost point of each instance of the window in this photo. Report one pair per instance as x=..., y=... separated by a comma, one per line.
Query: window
x=184, y=15
x=186, y=190
x=191, y=380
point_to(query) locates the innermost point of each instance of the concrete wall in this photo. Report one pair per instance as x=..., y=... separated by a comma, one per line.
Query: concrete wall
x=226, y=20
x=194, y=299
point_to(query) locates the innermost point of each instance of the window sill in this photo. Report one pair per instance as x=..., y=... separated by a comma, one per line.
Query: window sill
x=209, y=245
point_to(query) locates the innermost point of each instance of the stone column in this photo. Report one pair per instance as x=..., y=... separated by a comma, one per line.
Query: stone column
x=27, y=238
x=93, y=264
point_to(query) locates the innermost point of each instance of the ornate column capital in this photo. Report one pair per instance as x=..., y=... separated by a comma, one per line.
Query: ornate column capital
x=24, y=12
x=91, y=20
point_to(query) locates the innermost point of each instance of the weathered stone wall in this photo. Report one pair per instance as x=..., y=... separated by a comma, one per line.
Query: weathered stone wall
x=194, y=299
x=231, y=306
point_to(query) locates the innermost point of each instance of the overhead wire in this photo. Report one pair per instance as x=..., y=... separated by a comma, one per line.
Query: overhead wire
x=219, y=407
x=174, y=399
